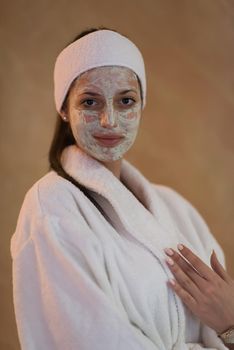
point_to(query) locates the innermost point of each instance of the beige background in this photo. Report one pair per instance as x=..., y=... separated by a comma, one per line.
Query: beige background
x=186, y=137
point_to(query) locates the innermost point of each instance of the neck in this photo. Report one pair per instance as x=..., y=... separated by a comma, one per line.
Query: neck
x=114, y=167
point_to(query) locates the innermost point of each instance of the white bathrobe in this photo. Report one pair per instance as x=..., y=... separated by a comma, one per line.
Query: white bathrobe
x=93, y=279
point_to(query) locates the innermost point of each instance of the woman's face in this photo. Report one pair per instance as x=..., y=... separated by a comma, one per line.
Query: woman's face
x=104, y=111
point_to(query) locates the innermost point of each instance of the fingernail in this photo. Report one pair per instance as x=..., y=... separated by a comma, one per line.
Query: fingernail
x=180, y=246
x=213, y=252
x=171, y=281
x=169, y=261
x=168, y=251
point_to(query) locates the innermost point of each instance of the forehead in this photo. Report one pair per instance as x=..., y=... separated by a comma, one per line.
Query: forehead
x=109, y=76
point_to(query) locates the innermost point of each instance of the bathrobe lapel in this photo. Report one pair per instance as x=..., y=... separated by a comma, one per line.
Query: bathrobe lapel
x=140, y=222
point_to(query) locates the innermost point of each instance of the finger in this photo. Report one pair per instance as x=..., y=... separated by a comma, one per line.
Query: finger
x=187, y=268
x=218, y=268
x=184, y=280
x=188, y=300
x=204, y=270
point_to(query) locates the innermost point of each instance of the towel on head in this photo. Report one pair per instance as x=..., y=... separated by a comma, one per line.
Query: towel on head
x=97, y=49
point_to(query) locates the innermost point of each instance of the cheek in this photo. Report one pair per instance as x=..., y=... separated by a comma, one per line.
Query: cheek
x=130, y=119
x=89, y=117
x=84, y=118
x=132, y=116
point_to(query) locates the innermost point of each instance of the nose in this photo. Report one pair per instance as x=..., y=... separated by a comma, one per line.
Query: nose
x=108, y=118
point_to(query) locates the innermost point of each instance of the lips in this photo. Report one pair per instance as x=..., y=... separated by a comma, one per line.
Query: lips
x=108, y=140
x=108, y=136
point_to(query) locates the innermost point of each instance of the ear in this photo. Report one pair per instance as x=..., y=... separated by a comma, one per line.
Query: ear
x=64, y=115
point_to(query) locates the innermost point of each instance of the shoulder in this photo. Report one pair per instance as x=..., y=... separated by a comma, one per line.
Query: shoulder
x=178, y=206
x=51, y=199
x=171, y=196
x=188, y=219
x=51, y=194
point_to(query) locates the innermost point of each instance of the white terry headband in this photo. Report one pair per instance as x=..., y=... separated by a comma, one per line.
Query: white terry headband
x=96, y=49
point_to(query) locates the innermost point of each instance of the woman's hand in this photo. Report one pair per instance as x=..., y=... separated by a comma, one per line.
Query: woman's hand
x=208, y=293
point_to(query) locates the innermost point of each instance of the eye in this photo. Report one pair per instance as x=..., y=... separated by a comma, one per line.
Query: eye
x=88, y=102
x=127, y=101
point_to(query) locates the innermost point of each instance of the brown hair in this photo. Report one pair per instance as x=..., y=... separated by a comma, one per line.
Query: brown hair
x=63, y=136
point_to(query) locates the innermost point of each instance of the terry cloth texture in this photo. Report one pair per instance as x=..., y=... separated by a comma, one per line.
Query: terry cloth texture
x=87, y=278
x=97, y=49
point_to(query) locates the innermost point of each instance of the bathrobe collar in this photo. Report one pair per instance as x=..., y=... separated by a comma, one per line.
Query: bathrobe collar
x=141, y=223
x=144, y=224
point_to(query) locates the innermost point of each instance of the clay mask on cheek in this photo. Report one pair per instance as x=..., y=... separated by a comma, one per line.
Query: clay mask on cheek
x=87, y=122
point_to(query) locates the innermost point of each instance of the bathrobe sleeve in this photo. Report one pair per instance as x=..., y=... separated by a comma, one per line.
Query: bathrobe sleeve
x=61, y=297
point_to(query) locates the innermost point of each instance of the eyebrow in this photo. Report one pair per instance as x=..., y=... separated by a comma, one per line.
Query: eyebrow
x=126, y=91
x=91, y=93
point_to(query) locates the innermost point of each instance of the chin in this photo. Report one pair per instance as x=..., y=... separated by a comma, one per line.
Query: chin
x=106, y=155
x=107, y=159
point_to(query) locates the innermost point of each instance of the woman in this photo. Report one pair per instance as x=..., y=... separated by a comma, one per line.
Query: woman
x=90, y=246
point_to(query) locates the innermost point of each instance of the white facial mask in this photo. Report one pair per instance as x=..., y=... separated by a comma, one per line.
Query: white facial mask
x=107, y=114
